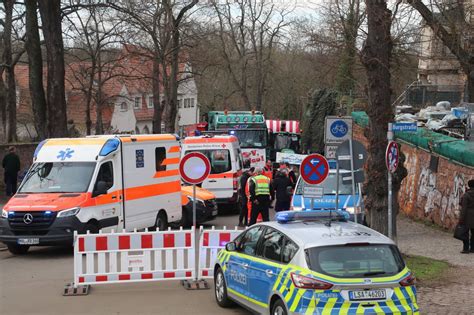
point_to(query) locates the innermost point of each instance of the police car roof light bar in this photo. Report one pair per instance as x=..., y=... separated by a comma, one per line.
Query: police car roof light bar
x=311, y=215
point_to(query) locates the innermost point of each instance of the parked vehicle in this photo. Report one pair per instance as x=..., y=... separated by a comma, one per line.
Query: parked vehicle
x=88, y=184
x=206, y=206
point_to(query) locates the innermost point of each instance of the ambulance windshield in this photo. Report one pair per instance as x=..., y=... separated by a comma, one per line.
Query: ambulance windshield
x=356, y=261
x=58, y=177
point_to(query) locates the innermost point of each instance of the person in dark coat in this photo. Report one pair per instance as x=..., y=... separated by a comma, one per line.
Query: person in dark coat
x=291, y=175
x=243, y=216
x=280, y=190
x=11, y=166
x=467, y=216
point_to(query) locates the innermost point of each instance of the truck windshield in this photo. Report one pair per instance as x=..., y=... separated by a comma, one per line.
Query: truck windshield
x=329, y=186
x=251, y=138
x=58, y=177
x=219, y=158
x=355, y=260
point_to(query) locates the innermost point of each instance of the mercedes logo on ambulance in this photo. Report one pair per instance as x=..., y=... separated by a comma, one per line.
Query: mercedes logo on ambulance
x=28, y=218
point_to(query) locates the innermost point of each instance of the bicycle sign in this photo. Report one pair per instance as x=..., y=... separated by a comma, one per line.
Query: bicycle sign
x=337, y=129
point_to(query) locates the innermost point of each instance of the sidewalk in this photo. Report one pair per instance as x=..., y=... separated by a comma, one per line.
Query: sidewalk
x=453, y=292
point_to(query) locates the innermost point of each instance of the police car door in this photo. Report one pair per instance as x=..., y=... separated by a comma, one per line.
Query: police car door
x=239, y=262
x=264, y=271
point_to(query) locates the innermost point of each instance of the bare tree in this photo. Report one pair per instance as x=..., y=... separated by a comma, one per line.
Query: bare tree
x=50, y=11
x=453, y=26
x=248, y=32
x=35, y=62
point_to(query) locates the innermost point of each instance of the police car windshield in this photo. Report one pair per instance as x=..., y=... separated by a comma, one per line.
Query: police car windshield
x=355, y=261
x=58, y=177
x=329, y=186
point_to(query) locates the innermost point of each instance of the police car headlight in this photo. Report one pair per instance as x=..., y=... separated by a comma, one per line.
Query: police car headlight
x=4, y=213
x=69, y=212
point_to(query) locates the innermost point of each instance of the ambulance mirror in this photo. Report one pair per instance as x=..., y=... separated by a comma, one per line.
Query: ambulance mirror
x=100, y=188
x=230, y=247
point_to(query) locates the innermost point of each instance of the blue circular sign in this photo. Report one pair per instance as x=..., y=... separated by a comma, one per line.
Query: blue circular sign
x=339, y=128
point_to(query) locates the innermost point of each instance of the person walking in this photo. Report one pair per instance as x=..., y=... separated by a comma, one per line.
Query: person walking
x=243, y=216
x=260, y=188
x=11, y=166
x=467, y=217
x=281, y=189
x=291, y=174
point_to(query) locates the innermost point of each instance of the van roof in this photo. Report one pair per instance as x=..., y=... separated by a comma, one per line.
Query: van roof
x=210, y=139
x=320, y=233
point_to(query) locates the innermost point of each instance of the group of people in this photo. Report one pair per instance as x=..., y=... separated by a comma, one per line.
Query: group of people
x=260, y=186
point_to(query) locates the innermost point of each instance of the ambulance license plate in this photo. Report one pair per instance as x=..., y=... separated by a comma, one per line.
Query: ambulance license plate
x=367, y=295
x=28, y=241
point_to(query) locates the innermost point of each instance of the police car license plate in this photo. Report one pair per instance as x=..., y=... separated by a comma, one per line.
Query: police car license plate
x=28, y=241
x=367, y=295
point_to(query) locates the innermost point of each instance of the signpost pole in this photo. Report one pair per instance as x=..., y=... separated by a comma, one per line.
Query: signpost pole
x=353, y=180
x=337, y=186
x=196, y=258
x=389, y=176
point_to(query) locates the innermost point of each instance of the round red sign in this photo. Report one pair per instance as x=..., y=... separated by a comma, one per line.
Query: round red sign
x=392, y=156
x=314, y=169
x=194, y=168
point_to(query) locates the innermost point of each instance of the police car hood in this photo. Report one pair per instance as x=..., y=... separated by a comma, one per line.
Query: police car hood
x=320, y=233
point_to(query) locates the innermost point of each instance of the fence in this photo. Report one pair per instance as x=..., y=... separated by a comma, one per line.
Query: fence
x=133, y=257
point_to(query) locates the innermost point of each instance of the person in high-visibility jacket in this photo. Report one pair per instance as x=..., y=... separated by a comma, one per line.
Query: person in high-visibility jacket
x=260, y=196
x=249, y=203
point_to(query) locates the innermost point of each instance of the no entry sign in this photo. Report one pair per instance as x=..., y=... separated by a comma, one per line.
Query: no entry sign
x=391, y=156
x=194, y=168
x=314, y=169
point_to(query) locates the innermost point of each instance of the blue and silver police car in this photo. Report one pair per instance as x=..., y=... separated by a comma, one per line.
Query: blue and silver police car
x=313, y=262
x=346, y=201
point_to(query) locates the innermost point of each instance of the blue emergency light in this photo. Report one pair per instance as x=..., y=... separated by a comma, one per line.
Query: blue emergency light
x=311, y=215
x=110, y=146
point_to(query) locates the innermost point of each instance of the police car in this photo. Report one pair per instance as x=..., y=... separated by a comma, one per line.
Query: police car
x=314, y=262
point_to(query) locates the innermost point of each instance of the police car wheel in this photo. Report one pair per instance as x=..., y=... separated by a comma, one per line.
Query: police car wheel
x=279, y=308
x=220, y=290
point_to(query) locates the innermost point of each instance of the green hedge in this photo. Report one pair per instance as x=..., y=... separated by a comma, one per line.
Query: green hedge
x=448, y=147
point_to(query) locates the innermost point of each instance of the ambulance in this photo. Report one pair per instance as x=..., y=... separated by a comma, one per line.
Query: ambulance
x=86, y=184
x=224, y=153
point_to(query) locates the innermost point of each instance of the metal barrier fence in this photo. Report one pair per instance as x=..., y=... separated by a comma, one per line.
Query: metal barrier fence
x=133, y=257
x=210, y=243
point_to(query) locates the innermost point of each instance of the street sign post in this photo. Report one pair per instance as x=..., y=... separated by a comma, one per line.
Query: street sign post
x=336, y=131
x=194, y=168
x=314, y=170
x=391, y=160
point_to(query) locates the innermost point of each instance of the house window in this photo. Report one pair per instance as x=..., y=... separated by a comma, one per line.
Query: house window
x=186, y=102
x=138, y=100
x=180, y=103
x=192, y=102
x=150, y=101
x=123, y=107
x=160, y=156
x=137, y=131
x=146, y=130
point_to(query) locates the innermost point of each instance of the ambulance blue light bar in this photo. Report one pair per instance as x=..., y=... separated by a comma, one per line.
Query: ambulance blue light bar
x=310, y=215
x=110, y=146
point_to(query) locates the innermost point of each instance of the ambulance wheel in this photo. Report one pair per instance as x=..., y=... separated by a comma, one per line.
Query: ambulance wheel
x=92, y=227
x=220, y=290
x=186, y=222
x=279, y=308
x=18, y=249
x=161, y=221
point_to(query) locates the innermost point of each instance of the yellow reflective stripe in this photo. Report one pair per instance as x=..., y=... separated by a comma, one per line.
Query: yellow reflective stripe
x=393, y=308
x=247, y=298
x=279, y=279
x=297, y=299
x=402, y=299
x=256, y=259
x=360, y=309
x=344, y=308
x=378, y=309
x=76, y=141
x=285, y=283
x=311, y=307
x=290, y=292
x=329, y=306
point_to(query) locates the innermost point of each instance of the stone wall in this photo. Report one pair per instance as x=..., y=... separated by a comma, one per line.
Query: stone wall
x=429, y=193
x=25, y=152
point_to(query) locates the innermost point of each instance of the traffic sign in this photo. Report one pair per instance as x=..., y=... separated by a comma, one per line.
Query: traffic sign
x=405, y=126
x=314, y=169
x=194, y=168
x=392, y=156
x=343, y=154
x=337, y=129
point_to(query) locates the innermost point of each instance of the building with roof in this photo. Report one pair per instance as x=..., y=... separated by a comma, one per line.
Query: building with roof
x=126, y=98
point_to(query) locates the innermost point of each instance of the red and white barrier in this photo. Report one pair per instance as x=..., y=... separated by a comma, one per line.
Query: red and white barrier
x=133, y=257
x=292, y=126
x=210, y=243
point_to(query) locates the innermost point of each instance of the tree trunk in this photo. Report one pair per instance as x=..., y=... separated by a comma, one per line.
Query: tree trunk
x=470, y=85
x=157, y=108
x=375, y=57
x=172, y=100
x=89, y=100
x=9, y=73
x=3, y=104
x=35, y=62
x=50, y=11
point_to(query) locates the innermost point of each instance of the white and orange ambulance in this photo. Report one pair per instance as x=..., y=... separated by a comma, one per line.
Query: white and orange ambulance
x=226, y=166
x=109, y=182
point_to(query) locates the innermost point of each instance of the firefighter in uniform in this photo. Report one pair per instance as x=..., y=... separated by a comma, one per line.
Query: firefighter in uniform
x=260, y=197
